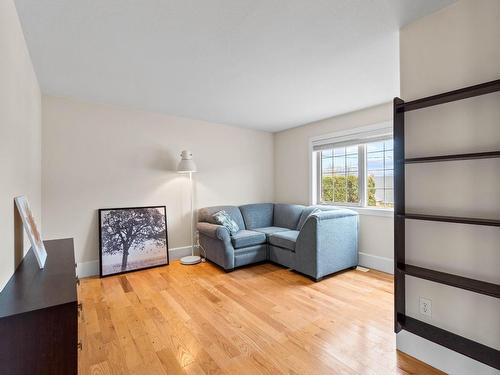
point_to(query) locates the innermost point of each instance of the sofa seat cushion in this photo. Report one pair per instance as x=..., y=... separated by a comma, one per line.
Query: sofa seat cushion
x=246, y=238
x=284, y=239
x=270, y=230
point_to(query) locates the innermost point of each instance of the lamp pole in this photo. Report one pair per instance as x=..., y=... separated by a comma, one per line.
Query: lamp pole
x=187, y=165
x=192, y=214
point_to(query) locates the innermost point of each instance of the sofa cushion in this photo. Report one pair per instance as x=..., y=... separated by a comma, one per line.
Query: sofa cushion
x=257, y=215
x=270, y=230
x=205, y=214
x=246, y=238
x=223, y=218
x=308, y=212
x=284, y=239
x=287, y=215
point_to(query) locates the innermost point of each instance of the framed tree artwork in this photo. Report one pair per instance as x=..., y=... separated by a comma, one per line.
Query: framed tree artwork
x=132, y=238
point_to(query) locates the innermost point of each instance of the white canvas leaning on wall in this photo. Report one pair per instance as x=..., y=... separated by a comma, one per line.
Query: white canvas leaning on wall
x=31, y=229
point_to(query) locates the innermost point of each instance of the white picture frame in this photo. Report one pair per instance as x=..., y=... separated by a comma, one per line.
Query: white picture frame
x=31, y=229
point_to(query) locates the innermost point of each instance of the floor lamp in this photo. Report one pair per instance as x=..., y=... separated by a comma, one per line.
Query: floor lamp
x=187, y=165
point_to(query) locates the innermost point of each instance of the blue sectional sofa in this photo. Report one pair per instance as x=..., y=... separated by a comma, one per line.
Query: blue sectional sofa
x=315, y=240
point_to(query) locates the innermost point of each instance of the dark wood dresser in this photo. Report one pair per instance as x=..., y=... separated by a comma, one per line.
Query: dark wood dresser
x=39, y=315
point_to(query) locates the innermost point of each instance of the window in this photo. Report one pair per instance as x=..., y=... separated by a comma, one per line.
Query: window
x=340, y=175
x=380, y=173
x=356, y=170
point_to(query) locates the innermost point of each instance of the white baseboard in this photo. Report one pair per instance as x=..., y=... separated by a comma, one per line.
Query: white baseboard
x=440, y=357
x=91, y=268
x=376, y=262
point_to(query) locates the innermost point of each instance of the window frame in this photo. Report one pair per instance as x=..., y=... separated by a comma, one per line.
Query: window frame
x=363, y=134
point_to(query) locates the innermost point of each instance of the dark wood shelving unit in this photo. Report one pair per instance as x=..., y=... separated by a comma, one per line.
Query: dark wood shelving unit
x=462, y=345
x=477, y=286
x=454, y=219
x=470, y=156
x=452, y=96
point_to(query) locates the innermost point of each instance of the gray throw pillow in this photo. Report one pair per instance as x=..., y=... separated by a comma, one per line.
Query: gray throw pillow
x=223, y=218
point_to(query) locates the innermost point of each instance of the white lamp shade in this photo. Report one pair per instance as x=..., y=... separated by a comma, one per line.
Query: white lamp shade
x=186, y=164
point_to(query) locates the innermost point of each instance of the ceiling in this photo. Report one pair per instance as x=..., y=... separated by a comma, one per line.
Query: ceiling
x=262, y=64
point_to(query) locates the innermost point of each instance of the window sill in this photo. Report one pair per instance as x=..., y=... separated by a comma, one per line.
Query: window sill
x=383, y=212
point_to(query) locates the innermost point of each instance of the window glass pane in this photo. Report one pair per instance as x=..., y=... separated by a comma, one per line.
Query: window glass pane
x=352, y=162
x=339, y=164
x=339, y=189
x=352, y=150
x=326, y=165
x=388, y=160
x=375, y=146
x=327, y=189
x=379, y=196
x=339, y=176
x=339, y=151
x=389, y=179
x=380, y=174
x=352, y=187
x=375, y=160
x=326, y=153
x=389, y=197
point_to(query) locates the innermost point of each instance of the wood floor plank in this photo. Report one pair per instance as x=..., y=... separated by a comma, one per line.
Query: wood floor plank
x=101, y=368
x=262, y=319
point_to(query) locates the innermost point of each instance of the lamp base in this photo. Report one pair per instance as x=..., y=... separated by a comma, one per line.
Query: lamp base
x=191, y=259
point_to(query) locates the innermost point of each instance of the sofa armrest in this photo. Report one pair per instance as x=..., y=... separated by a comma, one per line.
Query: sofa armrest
x=216, y=244
x=213, y=230
x=327, y=243
x=335, y=214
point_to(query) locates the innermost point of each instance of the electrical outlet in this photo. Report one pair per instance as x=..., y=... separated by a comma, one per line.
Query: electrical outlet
x=425, y=306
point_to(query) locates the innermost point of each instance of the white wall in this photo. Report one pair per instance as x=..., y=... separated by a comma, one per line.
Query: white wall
x=291, y=179
x=20, y=138
x=453, y=48
x=97, y=156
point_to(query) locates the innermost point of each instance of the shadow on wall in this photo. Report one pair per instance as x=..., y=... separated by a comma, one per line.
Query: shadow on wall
x=164, y=160
x=92, y=240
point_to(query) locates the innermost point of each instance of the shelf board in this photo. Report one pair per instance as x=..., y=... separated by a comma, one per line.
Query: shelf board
x=462, y=345
x=453, y=219
x=469, y=156
x=451, y=96
x=477, y=286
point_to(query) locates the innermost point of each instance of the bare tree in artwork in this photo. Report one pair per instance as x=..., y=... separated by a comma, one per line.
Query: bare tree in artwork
x=124, y=229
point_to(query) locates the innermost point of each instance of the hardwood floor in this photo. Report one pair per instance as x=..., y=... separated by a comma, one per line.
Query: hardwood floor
x=261, y=319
